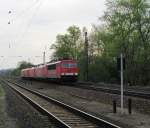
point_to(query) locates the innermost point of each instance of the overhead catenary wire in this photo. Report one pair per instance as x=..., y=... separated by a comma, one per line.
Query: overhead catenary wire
x=13, y=16
x=18, y=28
x=18, y=56
x=4, y=59
x=27, y=9
x=22, y=13
x=28, y=12
x=30, y=21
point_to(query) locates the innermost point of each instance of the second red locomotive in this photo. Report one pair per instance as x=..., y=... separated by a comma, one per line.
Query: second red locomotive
x=63, y=70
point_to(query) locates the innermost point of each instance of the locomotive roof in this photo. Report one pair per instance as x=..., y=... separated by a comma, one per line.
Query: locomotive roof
x=54, y=62
x=48, y=63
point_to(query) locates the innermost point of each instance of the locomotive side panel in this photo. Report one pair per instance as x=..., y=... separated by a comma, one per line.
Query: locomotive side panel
x=58, y=70
x=52, y=71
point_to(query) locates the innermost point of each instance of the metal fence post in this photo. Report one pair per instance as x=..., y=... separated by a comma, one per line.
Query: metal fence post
x=129, y=106
x=114, y=106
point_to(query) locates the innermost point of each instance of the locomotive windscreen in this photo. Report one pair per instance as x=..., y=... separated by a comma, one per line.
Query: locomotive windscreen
x=69, y=65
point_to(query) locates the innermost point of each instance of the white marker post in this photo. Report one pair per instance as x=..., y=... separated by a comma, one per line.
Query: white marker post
x=121, y=73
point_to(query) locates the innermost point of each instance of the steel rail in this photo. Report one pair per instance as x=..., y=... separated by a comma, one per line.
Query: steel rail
x=42, y=110
x=115, y=91
x=127, y=92
x=100, y=122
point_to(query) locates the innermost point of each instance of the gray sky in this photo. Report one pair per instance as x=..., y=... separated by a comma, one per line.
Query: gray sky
x=34, y=25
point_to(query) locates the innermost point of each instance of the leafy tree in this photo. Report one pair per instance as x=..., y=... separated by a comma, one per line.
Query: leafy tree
x=128, y=22
x=66, y=45
x=21, y=65
x=74, y=33
x=62, y=46
x=125, y=29
x=24, y=64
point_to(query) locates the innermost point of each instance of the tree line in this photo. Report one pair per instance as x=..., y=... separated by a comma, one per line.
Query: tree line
x=125, y=28
x=21, y=65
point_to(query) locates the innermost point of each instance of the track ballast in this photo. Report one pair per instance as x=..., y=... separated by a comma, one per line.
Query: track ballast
x=62, y=114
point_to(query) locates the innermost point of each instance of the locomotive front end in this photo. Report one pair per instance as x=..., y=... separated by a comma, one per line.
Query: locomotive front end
x=69, y=70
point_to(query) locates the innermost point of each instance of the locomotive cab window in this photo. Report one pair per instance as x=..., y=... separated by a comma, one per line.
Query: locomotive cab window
x=52, y=67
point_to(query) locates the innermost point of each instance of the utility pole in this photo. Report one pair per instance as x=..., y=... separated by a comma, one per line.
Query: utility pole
x=44, y=61
x=28, y=60
x=86, y=57
x=121, y=74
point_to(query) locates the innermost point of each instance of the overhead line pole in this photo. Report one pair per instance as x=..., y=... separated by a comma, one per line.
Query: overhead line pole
x=44, y=61
x=86, y=57
x=121, y=73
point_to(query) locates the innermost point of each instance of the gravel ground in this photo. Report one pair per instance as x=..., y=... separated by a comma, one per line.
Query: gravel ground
x=135, y=120
x=5, y=120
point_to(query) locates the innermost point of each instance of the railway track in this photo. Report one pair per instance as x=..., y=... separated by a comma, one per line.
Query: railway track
x=113, y=90
x=60, y=113
x=127, y=92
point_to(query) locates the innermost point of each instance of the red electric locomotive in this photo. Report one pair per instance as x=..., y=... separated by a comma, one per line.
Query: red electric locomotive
x=64, y=70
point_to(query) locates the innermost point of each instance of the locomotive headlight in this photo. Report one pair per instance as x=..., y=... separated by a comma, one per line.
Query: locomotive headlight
x=76, y=73
x=62, y=73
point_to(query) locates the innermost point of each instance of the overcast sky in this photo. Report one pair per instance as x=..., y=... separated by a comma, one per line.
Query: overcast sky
x=28, y=27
